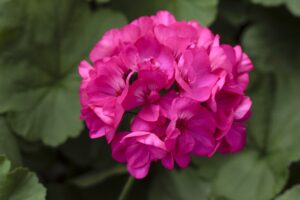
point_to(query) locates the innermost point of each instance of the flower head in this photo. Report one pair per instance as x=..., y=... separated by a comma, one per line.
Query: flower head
x=182, y=91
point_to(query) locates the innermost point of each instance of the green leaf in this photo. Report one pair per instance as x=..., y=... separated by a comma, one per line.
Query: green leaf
x=270, y=42
x=8, y=144
x=291, y=194
x=249, y=176
x=204, y=11
x=285, y=125
x=292, y=5
x=19, y=184
x=207, y=167
x=178, y=185
x=38, y=69
x=263, y=98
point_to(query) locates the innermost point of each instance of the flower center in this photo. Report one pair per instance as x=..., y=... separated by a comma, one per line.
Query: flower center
x=181, y=124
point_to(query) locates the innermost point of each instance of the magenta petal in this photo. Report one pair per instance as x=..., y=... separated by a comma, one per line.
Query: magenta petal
x=157, y=153
x=130, y=33
x=244, y=63
x=171, y=138
x=194, y=76
x=145, y=25
x=139, y=124
x=99, y=133
x=164, y=17
x=84, y=69
x=135, y=96
x=177, y=36
x=205, y=145
x=118, y=148
x=168, y=161
x=145, y=138
x=137, y=155
x=165, y=103
x=139, y=173
x=149, y=112
x=185, y=145
x=235, y=140
x=205, y=38
x=243, y=108
x=106, y=46
x=183, y=161
x=130, y=57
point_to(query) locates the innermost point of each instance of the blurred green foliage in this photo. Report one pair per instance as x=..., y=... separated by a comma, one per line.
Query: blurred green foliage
x=41, y=136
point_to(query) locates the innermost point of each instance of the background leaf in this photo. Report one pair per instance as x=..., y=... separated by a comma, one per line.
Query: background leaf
x=292, y=5
x=19, y=184
x=39, y=86
x=178, y=185
x=291, y=194
x=202, y=10
x=271, y=42
x=8, y=144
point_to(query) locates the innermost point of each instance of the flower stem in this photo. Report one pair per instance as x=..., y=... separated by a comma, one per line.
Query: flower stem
x=126, y=188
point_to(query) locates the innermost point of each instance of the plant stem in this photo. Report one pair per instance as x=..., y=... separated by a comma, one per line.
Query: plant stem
x=126, y=188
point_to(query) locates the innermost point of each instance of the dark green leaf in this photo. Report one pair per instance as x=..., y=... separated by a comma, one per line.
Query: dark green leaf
x=19, y=184
x=38, y=69
x=178, y=185
x=249, y=176
x=202, y=10
x=8, y=144
x=272, y=42
x=292, y=194
x=292, y=5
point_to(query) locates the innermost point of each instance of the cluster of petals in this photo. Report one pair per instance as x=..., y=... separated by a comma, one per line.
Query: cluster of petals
x=182, y=91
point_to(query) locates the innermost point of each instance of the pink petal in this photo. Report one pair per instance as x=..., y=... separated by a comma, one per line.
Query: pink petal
x=146, y=138
x=194, y=76
x=149, y=112
x=145, y=25
x=137, y=155
x=118, y=148
x=243, y=108
x=205, y=145
x=139, y=173
x=183, y=161
x=177, y=36
x=84, y=69
x=185, y=145
x=107, y=46
x=168, y=161
x=235, y=140
x=139, y=124
x=164, y=17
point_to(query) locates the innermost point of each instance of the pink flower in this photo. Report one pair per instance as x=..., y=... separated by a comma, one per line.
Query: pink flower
x=191, y=131
x=232, y=112
x=102, y=91
x=138, y=150
x=178, y=90
x=194, y=75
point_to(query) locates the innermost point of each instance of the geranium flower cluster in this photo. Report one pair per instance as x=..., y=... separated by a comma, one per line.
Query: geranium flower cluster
x=183, y=89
